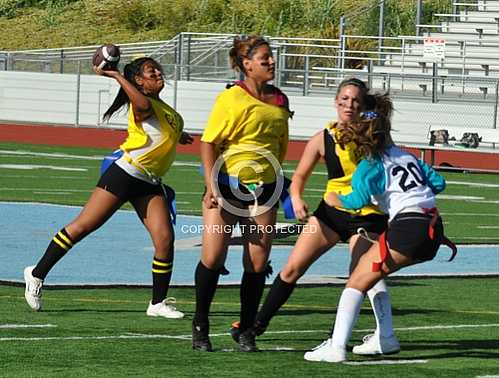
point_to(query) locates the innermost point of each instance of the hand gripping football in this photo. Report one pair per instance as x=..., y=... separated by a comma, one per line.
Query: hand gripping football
x=106, y=57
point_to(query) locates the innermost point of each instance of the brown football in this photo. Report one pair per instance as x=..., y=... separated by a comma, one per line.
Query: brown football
x=106, y=57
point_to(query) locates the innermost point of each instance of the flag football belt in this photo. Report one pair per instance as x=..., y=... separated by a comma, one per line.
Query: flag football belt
x=167, y=190
x=383, y=245
x=233, y=182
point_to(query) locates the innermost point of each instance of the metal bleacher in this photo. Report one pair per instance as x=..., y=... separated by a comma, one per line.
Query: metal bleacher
x=471, y=35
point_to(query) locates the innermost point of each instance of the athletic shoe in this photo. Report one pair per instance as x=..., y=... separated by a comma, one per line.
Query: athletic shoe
x=259, y=327
x=200, y=338
x=33, y=292
x=247, y=341
x=235, y=331
x=165, y=309
x=326, y=352
x=375, y=344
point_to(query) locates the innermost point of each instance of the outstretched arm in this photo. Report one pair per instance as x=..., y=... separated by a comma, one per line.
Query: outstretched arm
x=368, y=180
x=434, y=180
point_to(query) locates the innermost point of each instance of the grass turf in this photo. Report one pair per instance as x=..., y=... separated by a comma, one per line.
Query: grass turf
x=446, y=326
x=467, y=220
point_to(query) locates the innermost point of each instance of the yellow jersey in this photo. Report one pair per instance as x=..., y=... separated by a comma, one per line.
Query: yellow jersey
x=156, y=156
x=341, y=162
x=250, y=135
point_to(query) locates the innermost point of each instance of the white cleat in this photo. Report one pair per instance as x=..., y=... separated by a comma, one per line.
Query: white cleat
x=33, y=292
x=326, y=352
x=375, y=344
x=165, y=309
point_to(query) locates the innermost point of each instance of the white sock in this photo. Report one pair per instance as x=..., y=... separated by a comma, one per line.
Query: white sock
x=382, y=308
x=346, y=316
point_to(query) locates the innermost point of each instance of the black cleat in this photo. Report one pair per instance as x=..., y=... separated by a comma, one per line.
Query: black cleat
x=247, y=341
x=200, y=338
x=259, y=328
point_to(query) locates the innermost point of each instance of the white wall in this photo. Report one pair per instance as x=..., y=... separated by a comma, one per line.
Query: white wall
x=52, y=98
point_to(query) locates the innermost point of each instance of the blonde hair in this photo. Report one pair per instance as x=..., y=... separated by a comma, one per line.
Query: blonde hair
x=372, y=134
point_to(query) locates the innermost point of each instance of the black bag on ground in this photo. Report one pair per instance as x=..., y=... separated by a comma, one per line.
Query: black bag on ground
x=439, y=136
x=470, y=140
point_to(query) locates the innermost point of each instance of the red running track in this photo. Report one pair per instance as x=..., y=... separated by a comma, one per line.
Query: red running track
x=110, y=138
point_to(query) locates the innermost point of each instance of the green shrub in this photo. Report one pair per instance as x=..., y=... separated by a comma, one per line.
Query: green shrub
x=146, y=20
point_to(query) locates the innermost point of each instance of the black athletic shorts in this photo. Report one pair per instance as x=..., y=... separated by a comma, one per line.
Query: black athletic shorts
x=267, y=190
x=346, y=224
x=115, y=180
x=408, y=234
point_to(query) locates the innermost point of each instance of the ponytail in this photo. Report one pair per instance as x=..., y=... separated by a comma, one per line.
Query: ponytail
x=130, y=71
x=372, y=133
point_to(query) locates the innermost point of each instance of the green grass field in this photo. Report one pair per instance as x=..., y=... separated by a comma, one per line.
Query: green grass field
x=63, y=175
x=448, y=327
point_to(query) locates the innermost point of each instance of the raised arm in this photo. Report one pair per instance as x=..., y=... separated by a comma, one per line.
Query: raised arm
x=141, y=104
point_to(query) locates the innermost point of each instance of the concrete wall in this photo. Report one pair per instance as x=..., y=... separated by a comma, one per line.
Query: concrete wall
x=53, y=99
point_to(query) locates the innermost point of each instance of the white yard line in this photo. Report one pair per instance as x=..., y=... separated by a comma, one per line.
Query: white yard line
x=385, y=362
x=44, y=190
x=115, y=337
x=453, y=197
x=10, y=326
x=35, y=166
x=196, y=164
x=480, y=238
x=58, y=177
x=188, y=337
x=49, y=154
x=274, y=349
x=313, y=173
x=486, y=201
x=440, y=326
x=475, y=184
x=81, y=157
x=472, y=214
x=52, y=192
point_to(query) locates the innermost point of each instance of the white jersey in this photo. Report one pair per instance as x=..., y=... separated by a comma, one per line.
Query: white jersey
x=397, y=182
x=405, y=184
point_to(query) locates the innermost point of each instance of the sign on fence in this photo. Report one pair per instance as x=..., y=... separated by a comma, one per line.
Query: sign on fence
x=434, y=49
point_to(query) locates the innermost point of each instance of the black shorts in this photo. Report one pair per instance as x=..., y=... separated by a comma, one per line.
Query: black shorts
x=115, y=180
x=267, y=190
x=408, y=234
x=346, y=224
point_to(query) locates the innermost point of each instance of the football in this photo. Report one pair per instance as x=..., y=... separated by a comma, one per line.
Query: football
x=106, y=57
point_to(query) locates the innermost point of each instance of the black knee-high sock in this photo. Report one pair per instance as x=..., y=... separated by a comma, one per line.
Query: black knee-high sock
x=60, y=244
x=161, y=276
x=251, y=291
x=278, y=295
x=206, y=281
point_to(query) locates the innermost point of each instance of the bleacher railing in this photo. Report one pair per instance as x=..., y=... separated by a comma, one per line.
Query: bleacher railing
x=303, y=64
